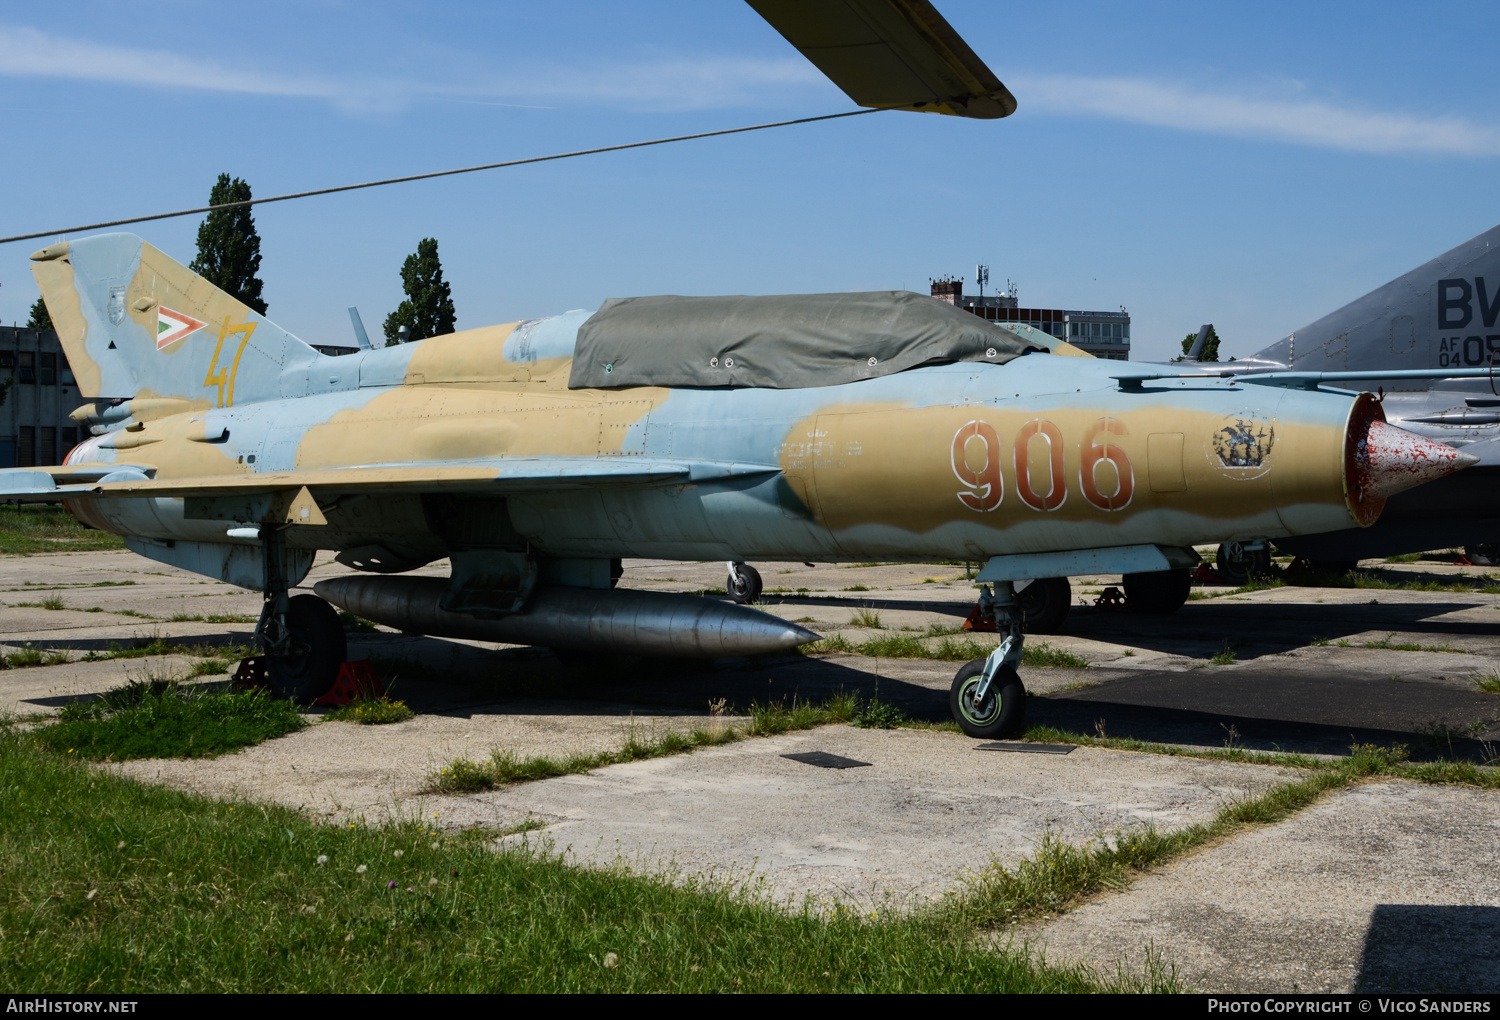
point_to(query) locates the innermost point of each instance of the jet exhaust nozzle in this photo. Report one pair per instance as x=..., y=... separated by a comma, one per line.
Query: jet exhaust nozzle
x=1381, y=460
x=613, y=619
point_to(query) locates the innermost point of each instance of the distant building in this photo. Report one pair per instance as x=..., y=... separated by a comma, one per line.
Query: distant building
x=34, y=423
x=1102, y=334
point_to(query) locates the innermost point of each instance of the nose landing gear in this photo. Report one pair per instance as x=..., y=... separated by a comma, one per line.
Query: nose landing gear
x=744, y=584
x=987, y=698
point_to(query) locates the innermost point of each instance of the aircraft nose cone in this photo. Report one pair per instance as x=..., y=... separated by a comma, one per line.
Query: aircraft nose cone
x=1393, y=460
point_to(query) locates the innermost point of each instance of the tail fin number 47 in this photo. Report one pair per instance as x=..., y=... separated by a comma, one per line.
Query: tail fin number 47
x=223, y=377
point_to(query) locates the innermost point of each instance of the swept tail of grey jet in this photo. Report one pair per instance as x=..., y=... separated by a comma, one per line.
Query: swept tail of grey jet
x=1445, y=314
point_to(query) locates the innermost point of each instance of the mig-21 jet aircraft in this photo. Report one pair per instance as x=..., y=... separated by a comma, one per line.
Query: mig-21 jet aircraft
x=534, y=455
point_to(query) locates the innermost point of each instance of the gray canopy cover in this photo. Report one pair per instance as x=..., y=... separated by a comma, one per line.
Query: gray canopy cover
x=779, y=342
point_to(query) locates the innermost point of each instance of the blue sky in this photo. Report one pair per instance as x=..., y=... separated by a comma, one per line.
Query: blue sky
x=1251, y=165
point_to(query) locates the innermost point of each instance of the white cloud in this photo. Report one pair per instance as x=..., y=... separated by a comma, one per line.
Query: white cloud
x=1303, y=122
x=26, y=52
x=660, y=85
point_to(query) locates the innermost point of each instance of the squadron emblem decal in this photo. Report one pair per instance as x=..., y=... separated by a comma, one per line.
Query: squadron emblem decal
x=173, y=326
x=1243, y=444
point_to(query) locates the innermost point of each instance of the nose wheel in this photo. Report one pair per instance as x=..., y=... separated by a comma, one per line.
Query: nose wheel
x=993, y=709
x=744, y=584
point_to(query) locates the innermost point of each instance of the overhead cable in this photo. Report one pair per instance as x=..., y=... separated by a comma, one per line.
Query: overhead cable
x=428, y=176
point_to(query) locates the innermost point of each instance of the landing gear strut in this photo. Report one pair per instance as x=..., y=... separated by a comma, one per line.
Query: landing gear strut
x=301, y=637
x=987, y=698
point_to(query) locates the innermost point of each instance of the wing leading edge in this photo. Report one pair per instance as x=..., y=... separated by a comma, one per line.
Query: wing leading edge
x=491, y=476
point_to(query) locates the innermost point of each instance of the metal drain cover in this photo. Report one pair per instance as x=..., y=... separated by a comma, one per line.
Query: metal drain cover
x=1021, y=745
x=824, y=760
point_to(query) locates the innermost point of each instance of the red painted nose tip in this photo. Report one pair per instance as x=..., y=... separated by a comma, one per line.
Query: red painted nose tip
x=1392, y=460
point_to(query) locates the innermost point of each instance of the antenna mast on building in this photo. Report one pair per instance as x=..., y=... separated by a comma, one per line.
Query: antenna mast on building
x=981, y=277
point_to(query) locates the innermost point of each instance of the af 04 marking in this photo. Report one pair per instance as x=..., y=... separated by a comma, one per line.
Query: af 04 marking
x=987, y=482
x=1094, y=453
x=1057, y=493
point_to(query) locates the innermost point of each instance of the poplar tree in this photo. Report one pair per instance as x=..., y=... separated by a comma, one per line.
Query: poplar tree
x=229, y=247
x=428, y=308
x=40, y=317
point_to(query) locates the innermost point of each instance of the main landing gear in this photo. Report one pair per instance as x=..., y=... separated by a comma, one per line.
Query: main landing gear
x=987, y=698
x=300, y=636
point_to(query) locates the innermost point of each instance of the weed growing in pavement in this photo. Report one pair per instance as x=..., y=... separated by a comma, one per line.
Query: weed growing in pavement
x=156, y=645
x=912, y=646
x=355, y=624
x=504, y=767
x=372, y=711
x=27, y=656
x=1488, y=681
x=1042, y=654
x=866, y=617
x=1225, y=657
x=210, y=618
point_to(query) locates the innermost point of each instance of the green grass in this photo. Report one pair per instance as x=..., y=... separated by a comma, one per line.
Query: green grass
x=1390, y=644
x=28, y=656
x=355, y=624
x=107, y=883
x=1404, y=558
x=866, y=618
x=28, y=530
x=1225, y=657
x=155, y=645
x=1042, y=654
x=948, y=649
x=158, y=718
x=503, y=767
x=372, y=711
x=208, y=618
x=1058, y=875
x=1488, y=681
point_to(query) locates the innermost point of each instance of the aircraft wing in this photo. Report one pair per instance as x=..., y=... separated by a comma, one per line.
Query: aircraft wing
x=496, y=476
x=891, y=54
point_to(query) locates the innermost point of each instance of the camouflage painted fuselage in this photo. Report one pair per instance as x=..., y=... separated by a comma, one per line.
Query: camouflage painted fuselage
x=959, y=461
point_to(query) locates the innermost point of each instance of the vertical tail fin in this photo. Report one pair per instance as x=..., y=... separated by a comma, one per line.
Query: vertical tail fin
x=135, y=323
x=1444, y=314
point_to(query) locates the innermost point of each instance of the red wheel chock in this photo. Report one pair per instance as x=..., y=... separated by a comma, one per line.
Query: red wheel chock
x=355, y=680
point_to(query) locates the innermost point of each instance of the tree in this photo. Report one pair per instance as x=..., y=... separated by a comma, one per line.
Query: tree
x=428, y=308
x=1210, y=346
x=229, y=247
x=40, y=317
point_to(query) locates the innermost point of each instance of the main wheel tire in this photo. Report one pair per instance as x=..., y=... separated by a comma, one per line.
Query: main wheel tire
x=1239, y=572
x=308, y=675
x=1003, y=711
x=1157, y=592
x=1486, y=554
x=1045, y=603
x=746, y=588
